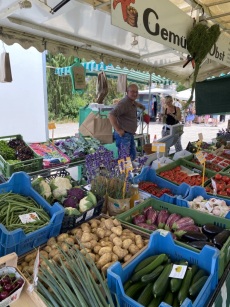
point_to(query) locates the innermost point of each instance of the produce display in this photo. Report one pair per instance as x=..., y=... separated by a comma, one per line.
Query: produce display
x=221, y=185
x=152, y=188
x=9, y=283
x=104, y=240
x=150, y=283
x=179, y=175
x=76, y=148
x=212, y=206
x=15, y=208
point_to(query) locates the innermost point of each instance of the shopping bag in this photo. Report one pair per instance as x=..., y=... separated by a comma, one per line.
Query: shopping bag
x=103, y=130
x=98, y=127
x=5, y=68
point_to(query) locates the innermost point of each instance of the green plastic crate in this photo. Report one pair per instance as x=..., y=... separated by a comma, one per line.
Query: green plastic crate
x=199, y=218
x=25, y=166
x=187, y=164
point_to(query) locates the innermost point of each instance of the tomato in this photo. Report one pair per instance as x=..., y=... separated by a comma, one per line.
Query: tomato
x=226, y=179
x=218, y=177
x=228, y=191
x=224, y=193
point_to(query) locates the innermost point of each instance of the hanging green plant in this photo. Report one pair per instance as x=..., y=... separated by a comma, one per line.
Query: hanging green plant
x=199, y=42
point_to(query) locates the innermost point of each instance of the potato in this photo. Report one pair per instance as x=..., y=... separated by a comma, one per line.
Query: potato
x=76, y=232
x=94, y=223
x=105, y=258
x=97, y=257
x=139, y=242
x=30, y=257
x=100, y=233
x=104, y=250
x=91, y=256
x=51, y=241
x=105, y=267
x=126, y=243
x=133, y=249
x=85, y=251
x=19, y=267
x=117, y=241
x=107, y=232
x=31, y=263
x=109, y=223
x=53, y=253
x=76, y=246
x=86, y=237
x=114, y=257
x=24, y=263
x=112, y=236
x=44, y=254
x=94, y=236
x=93, y=243
x=62, y=237
x=116, y=222
x=65, y=247
x=69, y=241
x=96, y=248
x=127, y=257
x=106, y=243
x=85, y=226
x=117, y=230
x=120, y=252
x=48, y=249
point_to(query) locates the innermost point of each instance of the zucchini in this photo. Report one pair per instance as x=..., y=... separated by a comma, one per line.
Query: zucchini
x=186, y=282
x=168, y=298
x=153, y=275
x=155, y=302
x=175, y=301
x=175, y=283
x=198, y=275
x=127, y=284
x=197, y=286
x=144, y=263
x=149, y=268
x=146, y=295
x=161, y=284
x=132, y=290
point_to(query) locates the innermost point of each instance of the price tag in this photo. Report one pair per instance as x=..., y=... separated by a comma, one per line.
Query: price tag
x=29, y=217
x=159, y=147
x=51, y=126
x=208, y=207
x=200, y=157
x=125, y=165
x=178, y=271
x=89, y=214
x=200, y=136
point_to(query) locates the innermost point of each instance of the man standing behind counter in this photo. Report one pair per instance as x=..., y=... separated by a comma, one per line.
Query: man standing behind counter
x=123, y=118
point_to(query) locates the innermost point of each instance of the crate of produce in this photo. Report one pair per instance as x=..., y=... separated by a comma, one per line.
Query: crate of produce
x=163, y=244
x=149, y=175
x=160, y=162
x=11, y=280
x=199, y=218
x=51, y=155
x=17, y=240
x=195, y=192
x=221, y=185
x=183, y=170
x=15, y=159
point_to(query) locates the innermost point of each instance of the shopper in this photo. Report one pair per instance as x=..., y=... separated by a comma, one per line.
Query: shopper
x=171, y=116
x=206, y=119
x=214, y=120
x=124, y=121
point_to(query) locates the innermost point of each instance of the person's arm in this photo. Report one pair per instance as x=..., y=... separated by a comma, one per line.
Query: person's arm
x=178, y=114
x=114, y=123
x=140, y=106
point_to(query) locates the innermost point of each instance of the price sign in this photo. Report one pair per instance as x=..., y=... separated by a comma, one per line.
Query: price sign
x=200, y=136
x=51, y=126
x=125, y=165
x=200, y=157
x=159, y=147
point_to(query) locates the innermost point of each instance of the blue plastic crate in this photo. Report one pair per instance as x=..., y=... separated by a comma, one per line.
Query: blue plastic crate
x=16, y=240
x=149, y=174
x=158, y=243
x=199, y=191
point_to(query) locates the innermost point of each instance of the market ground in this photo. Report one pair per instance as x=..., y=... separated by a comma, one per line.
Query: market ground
x=190, y=133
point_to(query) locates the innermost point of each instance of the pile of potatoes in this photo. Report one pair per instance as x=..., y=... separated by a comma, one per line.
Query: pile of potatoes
x=104, y=240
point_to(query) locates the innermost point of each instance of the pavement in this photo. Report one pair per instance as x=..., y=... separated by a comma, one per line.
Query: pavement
x=190, y=133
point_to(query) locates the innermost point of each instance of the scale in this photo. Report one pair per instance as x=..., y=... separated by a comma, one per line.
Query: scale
x=170, y=140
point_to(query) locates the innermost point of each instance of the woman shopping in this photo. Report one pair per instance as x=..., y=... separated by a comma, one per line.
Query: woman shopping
x=171, y=116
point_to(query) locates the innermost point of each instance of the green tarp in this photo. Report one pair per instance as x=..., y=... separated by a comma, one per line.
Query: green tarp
x=213, y=96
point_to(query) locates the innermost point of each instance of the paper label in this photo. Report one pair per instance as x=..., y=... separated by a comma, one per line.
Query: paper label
x=29, y=217
x=208, y=207
x=125, y=165
x=200, y=157
x=163, y=232
x=36, y=266
x=87, y=187
x=200, y=136
x=158, y=147
x=89, y=214
x=178, y=271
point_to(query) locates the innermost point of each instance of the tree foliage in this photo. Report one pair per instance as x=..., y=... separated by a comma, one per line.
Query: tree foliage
x=62, y=103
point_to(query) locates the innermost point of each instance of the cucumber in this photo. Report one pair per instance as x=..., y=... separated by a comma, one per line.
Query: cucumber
x=144, y=263
x=155, y=302
x=161, y=284
x=198, y=275
x=127, y=284
x=153, y=275
x=149, y=268
x=186, y=282
x=132, y=290
x=196, y=287
x=168, y=298
x=175, y=283
x=175, y=302
x=146, y=295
